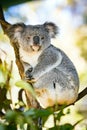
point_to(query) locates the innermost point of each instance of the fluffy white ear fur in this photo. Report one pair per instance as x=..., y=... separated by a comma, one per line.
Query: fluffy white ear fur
x=14, y=31
x=19, y=27
x=51, y=28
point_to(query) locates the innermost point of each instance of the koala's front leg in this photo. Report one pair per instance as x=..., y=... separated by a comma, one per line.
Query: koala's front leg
x=28, y=69
x=45, y=64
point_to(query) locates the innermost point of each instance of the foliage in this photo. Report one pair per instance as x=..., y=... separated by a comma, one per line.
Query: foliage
x=82, y=41
x=83, y=77
x=22, y=118
x=7, y=3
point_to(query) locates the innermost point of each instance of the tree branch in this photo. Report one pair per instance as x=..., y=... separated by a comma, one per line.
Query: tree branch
x=31, y=101
x=82, y=94
x=18, y=61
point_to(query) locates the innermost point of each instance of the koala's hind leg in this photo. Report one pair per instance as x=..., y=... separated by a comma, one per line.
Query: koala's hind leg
x=45, y=96
x=52, y=88
x=65, y=95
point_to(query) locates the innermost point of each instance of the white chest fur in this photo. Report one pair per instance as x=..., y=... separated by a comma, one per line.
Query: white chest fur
x=31, y=58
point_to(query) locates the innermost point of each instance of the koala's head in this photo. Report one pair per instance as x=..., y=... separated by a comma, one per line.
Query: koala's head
x=32, y=37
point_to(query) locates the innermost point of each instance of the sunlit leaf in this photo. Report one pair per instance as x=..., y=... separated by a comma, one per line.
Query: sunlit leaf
x=24, y=85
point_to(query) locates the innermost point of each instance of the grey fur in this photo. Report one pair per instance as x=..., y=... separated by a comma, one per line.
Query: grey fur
x=52, y=70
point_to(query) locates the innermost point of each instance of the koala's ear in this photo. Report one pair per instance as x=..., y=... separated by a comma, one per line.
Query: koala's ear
x=15, y=30
x=7, y=27
x=19, y=27
x=51, y=28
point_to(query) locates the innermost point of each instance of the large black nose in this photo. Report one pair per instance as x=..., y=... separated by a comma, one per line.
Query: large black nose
x=36, y=39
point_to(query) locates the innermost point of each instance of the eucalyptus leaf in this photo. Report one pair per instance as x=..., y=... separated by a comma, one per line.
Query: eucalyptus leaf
x=24, y=85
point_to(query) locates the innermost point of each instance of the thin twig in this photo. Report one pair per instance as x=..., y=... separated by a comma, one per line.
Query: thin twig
x=82, y=94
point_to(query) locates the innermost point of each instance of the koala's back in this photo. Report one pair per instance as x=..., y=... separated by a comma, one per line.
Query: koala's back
x=60, y=85
x=68, y=68
x=65, y=65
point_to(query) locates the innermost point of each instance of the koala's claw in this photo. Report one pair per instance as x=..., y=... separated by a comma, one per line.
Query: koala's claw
x=31, y=80
x=29, y=77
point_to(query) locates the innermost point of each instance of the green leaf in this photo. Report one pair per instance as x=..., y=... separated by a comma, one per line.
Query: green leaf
x=63, y=127
x=68, y=111
x=11, y=127
x=66, y=127
x=31, y=124
x=2, y=127
x=43, y=112
x=2, y=78
x=11, y=116
x=59, y=115
x=29, y=112
x=54, y=128
x=27, y=86
x=35, y=113
x=2, y=84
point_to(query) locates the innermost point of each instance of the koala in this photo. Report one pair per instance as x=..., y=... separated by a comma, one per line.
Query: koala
x=49, y=69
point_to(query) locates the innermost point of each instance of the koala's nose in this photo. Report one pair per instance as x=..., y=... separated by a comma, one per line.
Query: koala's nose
x=36, y=39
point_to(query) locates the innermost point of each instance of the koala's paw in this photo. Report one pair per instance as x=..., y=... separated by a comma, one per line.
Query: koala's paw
x=31, y=80
x=28, y=74
x=29, y=77
x=30, y=69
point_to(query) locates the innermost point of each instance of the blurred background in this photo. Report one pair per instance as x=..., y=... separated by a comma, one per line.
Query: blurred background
x=71, y=18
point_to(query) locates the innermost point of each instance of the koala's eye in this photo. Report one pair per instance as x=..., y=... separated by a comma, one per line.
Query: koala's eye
x=42, y=38
x=28, y=38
